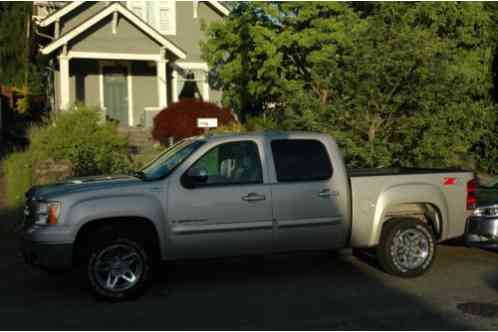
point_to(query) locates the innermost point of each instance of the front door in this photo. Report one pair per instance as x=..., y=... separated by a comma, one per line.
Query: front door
x=116, y=94
x=220, y=206
x=306, y=210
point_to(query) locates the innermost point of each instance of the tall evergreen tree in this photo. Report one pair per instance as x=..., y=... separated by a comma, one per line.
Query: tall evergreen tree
x=15, y=43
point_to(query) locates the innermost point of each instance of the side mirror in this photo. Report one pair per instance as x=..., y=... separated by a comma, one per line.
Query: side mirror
x=194, y=177
x=199, y=176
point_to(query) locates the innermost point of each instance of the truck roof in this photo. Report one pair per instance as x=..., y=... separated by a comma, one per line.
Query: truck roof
x=265, y=133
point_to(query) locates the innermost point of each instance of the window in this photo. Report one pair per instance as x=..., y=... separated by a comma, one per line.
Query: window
x=230, y=163
x=170, y=159
x=301, y=160
x=192, y=83
x=161, y=15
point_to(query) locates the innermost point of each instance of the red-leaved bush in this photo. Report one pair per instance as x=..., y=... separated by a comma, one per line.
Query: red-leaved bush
x=179, y=120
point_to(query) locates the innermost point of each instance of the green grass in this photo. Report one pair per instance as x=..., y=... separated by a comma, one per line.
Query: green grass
x=18, y=177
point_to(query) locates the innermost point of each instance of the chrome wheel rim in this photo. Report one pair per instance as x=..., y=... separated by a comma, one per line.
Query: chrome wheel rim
x=118, y=267
x=410, y=248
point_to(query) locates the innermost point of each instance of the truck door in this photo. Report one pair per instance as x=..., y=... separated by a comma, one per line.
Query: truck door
x=305, y=207
x=221, y=206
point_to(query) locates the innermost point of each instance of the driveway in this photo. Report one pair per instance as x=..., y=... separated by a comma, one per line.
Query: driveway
x=301, y=291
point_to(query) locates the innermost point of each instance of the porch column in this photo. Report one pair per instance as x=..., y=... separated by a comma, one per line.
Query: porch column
x=161, y=83
x=64, y=82
x=174, y=86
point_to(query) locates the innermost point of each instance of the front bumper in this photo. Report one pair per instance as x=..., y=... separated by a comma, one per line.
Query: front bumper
x=46, y=255
x=482, y=232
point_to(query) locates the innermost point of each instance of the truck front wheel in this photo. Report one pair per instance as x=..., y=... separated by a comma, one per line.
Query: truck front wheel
x=407, y=247
x=118, y=268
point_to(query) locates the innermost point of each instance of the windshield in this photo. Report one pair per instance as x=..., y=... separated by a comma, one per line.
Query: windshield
x=170, y=159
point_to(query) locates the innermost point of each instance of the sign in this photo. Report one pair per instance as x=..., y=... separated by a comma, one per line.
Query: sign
x=207, y=123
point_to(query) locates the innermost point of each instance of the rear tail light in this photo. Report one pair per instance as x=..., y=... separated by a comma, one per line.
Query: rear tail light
x=471, y=194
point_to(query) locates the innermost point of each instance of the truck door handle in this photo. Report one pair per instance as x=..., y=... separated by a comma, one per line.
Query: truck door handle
x=253, y=197
x=328, y=193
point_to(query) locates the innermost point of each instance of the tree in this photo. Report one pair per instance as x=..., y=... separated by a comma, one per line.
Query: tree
x=19, y=64
x=397, y=84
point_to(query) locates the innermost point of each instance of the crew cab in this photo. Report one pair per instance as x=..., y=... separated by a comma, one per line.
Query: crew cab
x=239, y=194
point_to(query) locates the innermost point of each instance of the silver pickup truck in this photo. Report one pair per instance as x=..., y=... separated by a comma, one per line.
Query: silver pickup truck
x=227, y=195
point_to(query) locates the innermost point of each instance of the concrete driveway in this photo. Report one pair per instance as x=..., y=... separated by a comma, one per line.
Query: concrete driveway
x=301, y=291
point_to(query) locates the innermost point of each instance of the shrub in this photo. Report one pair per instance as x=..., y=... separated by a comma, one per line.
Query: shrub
x=17, y=169
x=77, y=137
x=179, y=120
x=256, y=123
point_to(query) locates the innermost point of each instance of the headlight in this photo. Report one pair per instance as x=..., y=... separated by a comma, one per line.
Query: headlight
x=487, y=211
x=47, y=213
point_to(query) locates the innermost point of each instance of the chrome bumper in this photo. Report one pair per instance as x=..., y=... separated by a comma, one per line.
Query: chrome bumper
x=482, y=232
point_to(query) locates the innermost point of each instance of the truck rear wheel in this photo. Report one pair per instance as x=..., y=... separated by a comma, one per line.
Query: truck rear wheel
x=407, y=247
x=118, y=268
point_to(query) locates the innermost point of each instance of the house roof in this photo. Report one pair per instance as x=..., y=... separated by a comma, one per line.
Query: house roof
x=220, y=7
x=73, y=5
x=110, y=9
x=60, y=13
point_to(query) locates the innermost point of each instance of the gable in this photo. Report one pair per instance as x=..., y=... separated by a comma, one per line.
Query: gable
x=115, y=10
x=127, y=39
x=80, y=14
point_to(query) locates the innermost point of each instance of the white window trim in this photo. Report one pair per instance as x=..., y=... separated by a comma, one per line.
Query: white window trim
x=155, y=22
x=190, y=66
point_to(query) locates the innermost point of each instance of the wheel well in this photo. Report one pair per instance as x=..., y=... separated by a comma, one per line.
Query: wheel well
x=134, y=227
x=425, y=212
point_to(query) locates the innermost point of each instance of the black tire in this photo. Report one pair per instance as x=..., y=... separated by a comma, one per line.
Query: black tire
x=95, y=276
x=388, y=250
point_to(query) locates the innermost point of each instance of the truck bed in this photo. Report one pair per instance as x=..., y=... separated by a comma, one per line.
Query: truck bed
x=377, y=193
x=359, y=172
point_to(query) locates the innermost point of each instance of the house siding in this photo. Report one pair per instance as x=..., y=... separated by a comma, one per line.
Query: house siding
x=128, y=39
x=83, y=80
x=144, y=89
x=84, y=74
x=79, y=15
x=189, y=29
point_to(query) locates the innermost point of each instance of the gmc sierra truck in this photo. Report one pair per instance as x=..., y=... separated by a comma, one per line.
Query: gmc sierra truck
x=238, y=194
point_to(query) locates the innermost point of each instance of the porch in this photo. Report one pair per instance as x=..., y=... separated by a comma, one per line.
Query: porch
x=128, y=89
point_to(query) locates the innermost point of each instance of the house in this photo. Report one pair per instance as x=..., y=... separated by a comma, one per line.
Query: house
x=128, y=58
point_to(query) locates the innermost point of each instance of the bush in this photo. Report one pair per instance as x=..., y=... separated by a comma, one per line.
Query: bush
x=77, y=137
x=17, y=169
x=179, y=120
x=256, y=123
x=80, y=136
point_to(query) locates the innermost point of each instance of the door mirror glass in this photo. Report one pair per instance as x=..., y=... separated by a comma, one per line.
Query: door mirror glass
x=198, y=175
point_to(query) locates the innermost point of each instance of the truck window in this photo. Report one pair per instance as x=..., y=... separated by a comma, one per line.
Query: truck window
x=231, y=163
x=300, y=160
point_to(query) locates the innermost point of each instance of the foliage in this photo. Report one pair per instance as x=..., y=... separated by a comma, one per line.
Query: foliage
x=77, y=136
x=19, y=65
x=179, y=120
x=256, y=123
x=396, y=84
x=17, y=169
